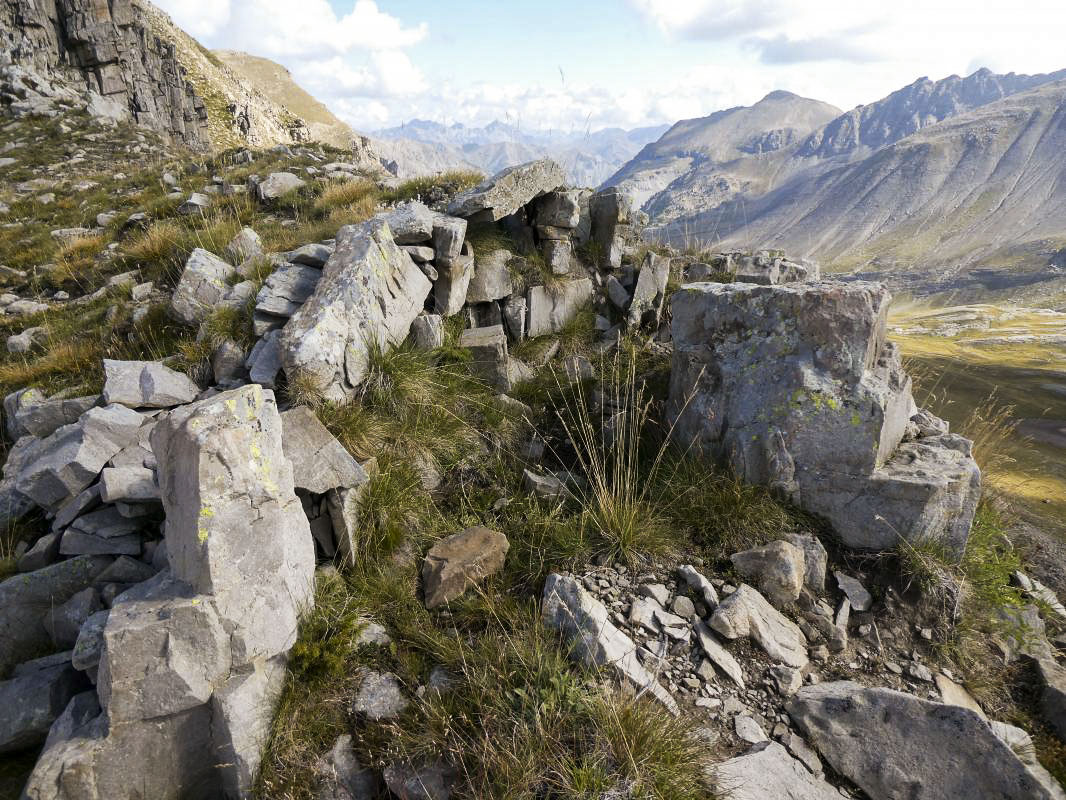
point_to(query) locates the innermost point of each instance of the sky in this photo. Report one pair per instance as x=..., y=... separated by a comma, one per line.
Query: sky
x=591, y=64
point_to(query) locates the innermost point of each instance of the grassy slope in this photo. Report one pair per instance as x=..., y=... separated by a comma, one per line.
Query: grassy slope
x=518, y=721
x=275, y=82
x=959, y=374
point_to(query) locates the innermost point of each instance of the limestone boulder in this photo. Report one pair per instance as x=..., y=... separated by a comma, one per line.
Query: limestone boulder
x=370, y=293
x=452, y=285
x=492, y=277
x=558, y=209
x=649, y=294
x=204, y=284
x=44, y=418
x=458, y=562
x=893, y=744
x=25, y=598
x=506, y=192
x=146, y=384
x=319, y=462
x=287, y=289
x=488, y=347
x=796, y=387
x=595, y=640
x=548, y=310
x=278, y=184
x=768, y=771
x=70, y=459
x=227, y=488
x=242, y=715
x=32, y=701
x=411, y=223
x=245, y=245
x=449, y=234
x=610, y=211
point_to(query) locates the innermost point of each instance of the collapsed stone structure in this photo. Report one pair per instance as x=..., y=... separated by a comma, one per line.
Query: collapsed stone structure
x=796, y=387
x=327, y=305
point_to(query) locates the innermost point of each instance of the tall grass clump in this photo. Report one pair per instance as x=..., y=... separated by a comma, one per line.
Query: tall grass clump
x=611, y=451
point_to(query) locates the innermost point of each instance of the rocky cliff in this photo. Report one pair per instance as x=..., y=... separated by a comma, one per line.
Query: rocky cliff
x=127, y=60
x=106, y=51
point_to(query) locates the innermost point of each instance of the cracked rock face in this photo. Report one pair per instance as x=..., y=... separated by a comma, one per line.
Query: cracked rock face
x=797, y=389
x=106, y=52
x=370, y=293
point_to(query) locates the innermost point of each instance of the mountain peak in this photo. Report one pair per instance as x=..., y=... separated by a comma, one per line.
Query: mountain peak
x=780, y=94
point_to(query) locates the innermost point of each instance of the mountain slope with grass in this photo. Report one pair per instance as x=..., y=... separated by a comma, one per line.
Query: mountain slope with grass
x=983, y=189
x=702, y=147
x=652, y=622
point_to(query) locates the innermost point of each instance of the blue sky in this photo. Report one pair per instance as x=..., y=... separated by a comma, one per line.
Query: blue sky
x=601, y=63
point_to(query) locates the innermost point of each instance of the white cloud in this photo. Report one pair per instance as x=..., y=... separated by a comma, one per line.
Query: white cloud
x=355, y=56
x=365, y=64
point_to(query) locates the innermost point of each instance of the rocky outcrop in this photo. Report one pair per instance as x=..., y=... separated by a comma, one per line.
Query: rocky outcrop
x=370, y=293
x=107, y=52
x=192, y=660
x=922, y=750
x=797, y=388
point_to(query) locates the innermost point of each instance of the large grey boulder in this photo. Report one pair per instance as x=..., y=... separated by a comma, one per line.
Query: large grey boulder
x=766, y=772
x=277, y=185
x=245, y=245
x=63, y=622
x=449, y=234
x=319, y=461
x=204, y=284
x=649, y=294
x=233, y=519
x=490, y=361
x=452, y=285
x=242, y=716
x=456, y=563
x=32, y=701
x=778, y=569
x=796, y=387
x=71, y=458
x=558, y=210
x=14, y=505
x=568, y=608
x=44, y=418
x=191, y=660
x=895, y=745
x=370, y=293
x=506, y=192
x=25, y=598
x=146, y=384
x=549, y=310
x=610, y=211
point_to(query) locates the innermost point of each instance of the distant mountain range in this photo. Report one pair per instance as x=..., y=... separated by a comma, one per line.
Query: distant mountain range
x=588, y=157
x=967, y=172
